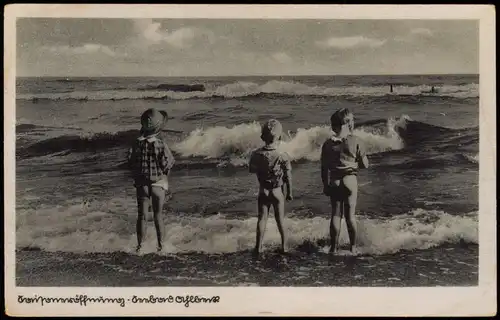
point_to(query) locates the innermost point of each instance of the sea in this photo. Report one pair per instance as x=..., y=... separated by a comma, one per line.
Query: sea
x=76, y=208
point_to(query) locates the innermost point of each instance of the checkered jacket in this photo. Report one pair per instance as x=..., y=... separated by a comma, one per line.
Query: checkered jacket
x=150, y=159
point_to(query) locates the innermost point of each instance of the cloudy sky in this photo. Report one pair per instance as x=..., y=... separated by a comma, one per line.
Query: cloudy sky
x=203, y=47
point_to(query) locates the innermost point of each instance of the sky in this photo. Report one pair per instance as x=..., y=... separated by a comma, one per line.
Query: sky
x=85, y=47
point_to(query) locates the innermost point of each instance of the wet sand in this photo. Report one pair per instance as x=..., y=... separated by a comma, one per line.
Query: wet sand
x=455, y=265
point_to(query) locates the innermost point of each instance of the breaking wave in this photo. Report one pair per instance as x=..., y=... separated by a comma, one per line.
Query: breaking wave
x=305, y=144
x=272, y=88
x=109, y=228
x=231, y=146
x=219, y=142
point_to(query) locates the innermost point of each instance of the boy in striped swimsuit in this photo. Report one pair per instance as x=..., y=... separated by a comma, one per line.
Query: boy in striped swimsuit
x=341, y=157
x=150, y=161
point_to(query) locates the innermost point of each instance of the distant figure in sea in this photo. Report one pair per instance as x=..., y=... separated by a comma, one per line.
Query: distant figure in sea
x=341, y=157
x=274, y=174
x=392, y=89
x=150, y=161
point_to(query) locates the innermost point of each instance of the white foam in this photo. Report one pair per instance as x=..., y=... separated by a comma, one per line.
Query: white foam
x=243, y=89
x=110, y=227
x=242, y=139
x=472, y=158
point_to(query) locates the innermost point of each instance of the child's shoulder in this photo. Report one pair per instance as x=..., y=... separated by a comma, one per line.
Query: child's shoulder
x=328, y=142
x=353, y=139
x=257, y=150
x=256, y=156
x=354, y=143
x=163, y=135
x=137, y=141
x=285, y=155
x=160, y=140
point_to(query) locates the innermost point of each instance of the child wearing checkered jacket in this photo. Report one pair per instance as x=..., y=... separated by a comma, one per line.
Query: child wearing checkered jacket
x=150, y=161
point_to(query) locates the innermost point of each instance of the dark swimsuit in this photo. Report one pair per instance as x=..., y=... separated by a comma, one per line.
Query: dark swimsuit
x=339, y=174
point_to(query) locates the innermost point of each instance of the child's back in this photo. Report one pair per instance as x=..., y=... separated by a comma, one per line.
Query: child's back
x=343, y=156
x=273, y=171
x=270, y=166
x=150, y=161
x=150, y=157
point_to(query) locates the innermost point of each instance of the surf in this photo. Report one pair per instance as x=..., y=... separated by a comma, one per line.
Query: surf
x=248, y=89
x=222, y=146
x=99, y=227
x=304, y=144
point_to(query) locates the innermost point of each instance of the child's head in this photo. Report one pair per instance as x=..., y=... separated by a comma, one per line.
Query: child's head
x=152, y=121
x=342, y=117
x=271, y=131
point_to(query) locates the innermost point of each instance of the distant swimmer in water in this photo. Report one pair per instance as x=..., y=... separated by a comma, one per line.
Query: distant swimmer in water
x=273, y=169
x=392, y=89
x=341, y=157
x=433, y=90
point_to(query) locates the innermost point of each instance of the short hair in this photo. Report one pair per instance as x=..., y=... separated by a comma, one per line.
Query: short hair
x=271, y=130
x=341, y=117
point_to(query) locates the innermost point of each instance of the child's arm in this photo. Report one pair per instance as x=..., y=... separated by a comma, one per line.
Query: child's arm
x=252, y=165
x=170, y=160
x=324, y=170
x=131, y=157
x=361, y=157
x=287, y=177
x=166, y=158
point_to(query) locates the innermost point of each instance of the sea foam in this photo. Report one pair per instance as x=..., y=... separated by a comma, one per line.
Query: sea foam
x=110, y=227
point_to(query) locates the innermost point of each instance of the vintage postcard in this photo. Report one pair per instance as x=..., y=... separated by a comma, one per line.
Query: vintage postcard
x=322, y=160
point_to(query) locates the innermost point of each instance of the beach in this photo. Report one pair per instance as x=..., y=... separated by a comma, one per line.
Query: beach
x=76, y=207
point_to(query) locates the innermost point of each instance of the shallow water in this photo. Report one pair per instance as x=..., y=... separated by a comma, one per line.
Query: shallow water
x=74, y=199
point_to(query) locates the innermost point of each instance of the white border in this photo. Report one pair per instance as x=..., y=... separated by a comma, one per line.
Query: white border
x=454, y=301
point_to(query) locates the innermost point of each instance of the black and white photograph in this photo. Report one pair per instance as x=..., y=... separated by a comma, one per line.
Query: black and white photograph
x=156, y=151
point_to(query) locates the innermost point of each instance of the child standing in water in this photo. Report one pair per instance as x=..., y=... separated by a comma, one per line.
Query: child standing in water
x=150, y=161
x=274, y=173
x=341, y=157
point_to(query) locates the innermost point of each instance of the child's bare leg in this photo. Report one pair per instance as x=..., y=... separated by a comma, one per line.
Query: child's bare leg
x=142, y=208
x=351, y=184
x=141, y=223
x=335, y=224
x=158, y=195
x=263, y=204
x=279, y=215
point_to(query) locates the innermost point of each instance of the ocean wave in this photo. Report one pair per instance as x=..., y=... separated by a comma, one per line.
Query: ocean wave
x=232, y=146
x=216, y=142
x=237, y=142
x=176, y=87
x=442, y=161
x=471, y=158
x=101, y=228
x=272, y=88
x=83, y=142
